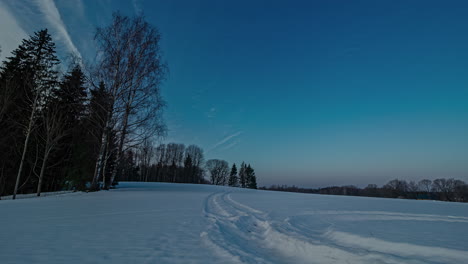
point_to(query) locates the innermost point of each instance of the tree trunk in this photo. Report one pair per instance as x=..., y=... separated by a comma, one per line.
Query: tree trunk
x=107, y=155
x=41, y=175
x=102, y=150
x=99, y=161
x=121, y=143
x=93, y=182
x=26, y=142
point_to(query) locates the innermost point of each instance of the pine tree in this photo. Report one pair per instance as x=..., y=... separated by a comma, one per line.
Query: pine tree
x=233, y=179
x=71, y=96
x=242, y=178
x=251, y=179
x=71, y=99
x=13, y=105
x=32, y=70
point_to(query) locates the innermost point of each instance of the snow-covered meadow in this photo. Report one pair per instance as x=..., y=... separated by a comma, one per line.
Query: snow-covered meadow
x=184, y=223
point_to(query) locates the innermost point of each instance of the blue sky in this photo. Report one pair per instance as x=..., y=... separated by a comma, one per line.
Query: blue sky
x=311, y=93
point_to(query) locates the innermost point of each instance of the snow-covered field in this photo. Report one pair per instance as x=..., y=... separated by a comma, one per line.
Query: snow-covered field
x=183, y=223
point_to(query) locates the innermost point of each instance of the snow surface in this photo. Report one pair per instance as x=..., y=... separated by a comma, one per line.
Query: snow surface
x=184, y=223
x=34, y=195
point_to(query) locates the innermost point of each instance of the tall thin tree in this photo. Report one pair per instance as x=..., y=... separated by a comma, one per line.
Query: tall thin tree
x=132, y=69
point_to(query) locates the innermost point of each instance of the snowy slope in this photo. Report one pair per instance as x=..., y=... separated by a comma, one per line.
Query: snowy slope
x=183, y=223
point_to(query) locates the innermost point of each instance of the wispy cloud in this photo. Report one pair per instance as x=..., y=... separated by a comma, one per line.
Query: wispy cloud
x=12, y=32
x=18, y=19
x=52, y=16
x=226, y=140
x=233, y=144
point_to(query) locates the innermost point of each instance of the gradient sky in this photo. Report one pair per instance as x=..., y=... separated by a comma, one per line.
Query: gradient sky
x=312, y=93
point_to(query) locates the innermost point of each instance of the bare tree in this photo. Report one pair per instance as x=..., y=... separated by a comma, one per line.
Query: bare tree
x=132, y=69
x=444, y=187
x=396, y=187
x=196, y=153
x=412, y=189
x=219, y=171
x=425, y=185
x=160, y=153
x=460, y=191
x=175, y=157
x=180, y=155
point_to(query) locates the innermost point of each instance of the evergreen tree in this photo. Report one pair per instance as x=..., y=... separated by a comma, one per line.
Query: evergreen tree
x=251, y=179
x=233, y=179
x=71, y=100
x=90, y=122
x=242, y=176
x=13, y=104
x=31, y=71
x=72, y=95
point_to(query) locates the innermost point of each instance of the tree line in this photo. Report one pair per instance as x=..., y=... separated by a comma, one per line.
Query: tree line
x=74, y=128
x=451, y=190
x=221, y=175
x=174, y=162
x=165, y=163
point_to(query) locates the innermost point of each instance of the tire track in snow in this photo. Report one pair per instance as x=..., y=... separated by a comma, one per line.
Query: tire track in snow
x=385, y=250
x=241, y=234
x=389, y=216
x=229, y=232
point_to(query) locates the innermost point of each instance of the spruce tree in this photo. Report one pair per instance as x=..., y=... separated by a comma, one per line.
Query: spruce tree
x=242, y=178
x=13, y=105
x=251, y=179
x=32, y=70
x=72, y=95
x=233, y=179
x=71, y=99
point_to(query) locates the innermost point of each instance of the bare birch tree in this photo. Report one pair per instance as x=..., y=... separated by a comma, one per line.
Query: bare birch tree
x=132, y=69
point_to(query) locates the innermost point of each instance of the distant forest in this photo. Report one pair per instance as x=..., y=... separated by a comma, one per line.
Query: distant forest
x=176, y=163
x=89, y=126
x=451, y=190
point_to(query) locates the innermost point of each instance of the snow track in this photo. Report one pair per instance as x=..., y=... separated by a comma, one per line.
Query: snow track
x=242, y=234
